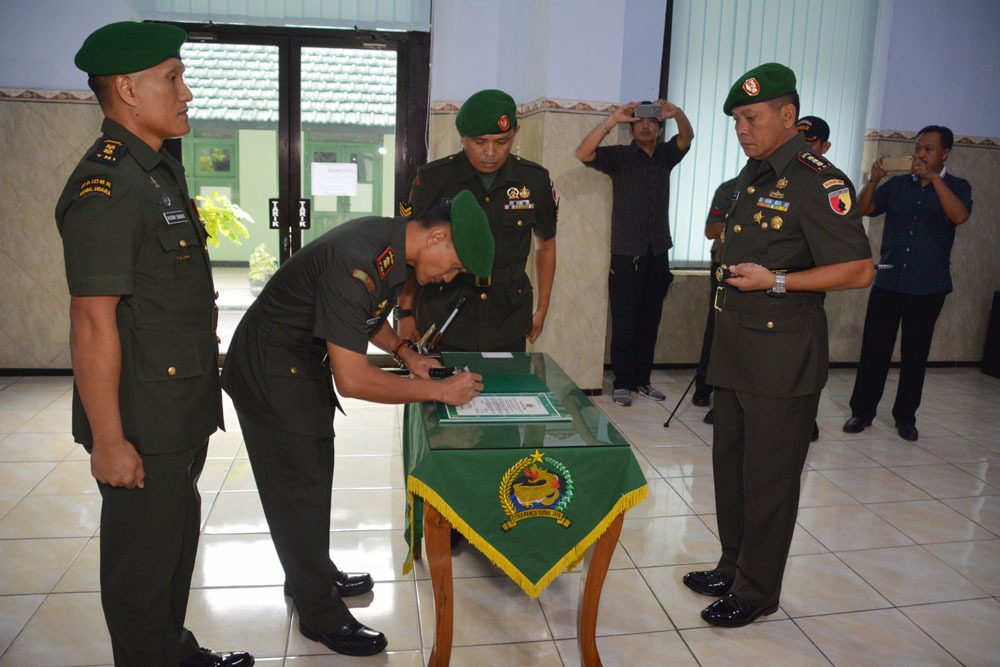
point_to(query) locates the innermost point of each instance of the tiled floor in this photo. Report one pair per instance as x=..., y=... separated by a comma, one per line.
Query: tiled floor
x=896, y=560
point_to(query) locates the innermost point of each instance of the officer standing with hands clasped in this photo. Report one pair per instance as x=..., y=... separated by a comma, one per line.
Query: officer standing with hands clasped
x=793, y=233
x=145, y=357
x=316, y=316
x=520, y=204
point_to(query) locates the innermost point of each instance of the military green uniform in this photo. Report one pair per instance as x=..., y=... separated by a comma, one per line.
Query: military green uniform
x=793, y=211
x=339, y=288
x=521, y=202
x=129, y=229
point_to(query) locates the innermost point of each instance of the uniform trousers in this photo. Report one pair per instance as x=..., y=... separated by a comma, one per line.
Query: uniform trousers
x=918, y=314
x=149, y=540
x=759, y=448
x=294, y=475
x=637, y=287
x=702, y=388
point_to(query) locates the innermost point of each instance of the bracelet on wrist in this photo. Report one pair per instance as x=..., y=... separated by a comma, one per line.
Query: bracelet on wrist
x=605, y=128
x=400, y=313
x=403, y=342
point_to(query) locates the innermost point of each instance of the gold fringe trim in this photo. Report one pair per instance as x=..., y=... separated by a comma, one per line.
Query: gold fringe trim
x=567, y=563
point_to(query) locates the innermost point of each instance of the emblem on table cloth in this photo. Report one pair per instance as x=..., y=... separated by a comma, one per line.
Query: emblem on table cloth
x=536, y=487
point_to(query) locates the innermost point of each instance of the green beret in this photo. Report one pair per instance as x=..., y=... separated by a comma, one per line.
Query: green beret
x=487, y=112
x=127, y=47
x=760, y=84
x=470, y=232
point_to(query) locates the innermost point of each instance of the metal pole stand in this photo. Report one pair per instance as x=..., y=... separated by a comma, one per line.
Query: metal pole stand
x=666, y=424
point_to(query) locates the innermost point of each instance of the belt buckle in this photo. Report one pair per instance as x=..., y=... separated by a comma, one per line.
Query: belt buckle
x=720, y=298
x=489, y=281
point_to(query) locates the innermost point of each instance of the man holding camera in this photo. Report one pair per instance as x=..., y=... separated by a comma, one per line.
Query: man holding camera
x=922, y=210
x=640, y=234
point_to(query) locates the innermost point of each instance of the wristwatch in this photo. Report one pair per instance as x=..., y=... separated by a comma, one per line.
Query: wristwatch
x=400, y=313
x=779, y=285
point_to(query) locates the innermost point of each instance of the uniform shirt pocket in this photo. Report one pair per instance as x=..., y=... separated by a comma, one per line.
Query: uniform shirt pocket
x=182, y=246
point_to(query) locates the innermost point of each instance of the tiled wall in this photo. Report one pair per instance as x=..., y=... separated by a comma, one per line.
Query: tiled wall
x=42, y=140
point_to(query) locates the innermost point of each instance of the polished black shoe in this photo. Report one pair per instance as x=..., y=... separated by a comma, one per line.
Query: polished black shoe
x=733, y=612
x=708, y=582
x=701, y=400
x=204, y=657
x=348, y=584
x=907, y=432
x=351, y=639
x=856, y=425
x=709, y=417
x=815, y=434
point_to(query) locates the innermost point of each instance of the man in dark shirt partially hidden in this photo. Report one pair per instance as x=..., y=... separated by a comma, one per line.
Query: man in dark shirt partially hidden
x=640, y=236
x=922, y=210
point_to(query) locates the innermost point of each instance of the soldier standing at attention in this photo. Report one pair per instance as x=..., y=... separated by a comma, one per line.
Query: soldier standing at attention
x=145, y=357
x=520, y=203
x=793, y=233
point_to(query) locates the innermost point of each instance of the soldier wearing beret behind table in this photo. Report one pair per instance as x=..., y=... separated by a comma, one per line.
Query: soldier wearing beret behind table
x=146, y=393
x=520, y=203
x=315, y=317
x=792, y=233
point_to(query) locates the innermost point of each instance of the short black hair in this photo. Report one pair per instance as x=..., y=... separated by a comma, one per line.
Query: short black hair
x=947, y=136
x=791, y=98
x=439, y=215
x=101, y=85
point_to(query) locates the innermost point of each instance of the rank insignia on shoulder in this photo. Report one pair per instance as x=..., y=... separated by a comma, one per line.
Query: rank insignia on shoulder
x=385, y=262
x=109, y=152
x=405, y=208
x=364, y=278
x=100, y=186
x=813, y=161
x=840, y=201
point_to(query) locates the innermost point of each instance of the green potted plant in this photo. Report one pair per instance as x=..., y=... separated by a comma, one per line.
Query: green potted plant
x=223, y=218
x=262, y=266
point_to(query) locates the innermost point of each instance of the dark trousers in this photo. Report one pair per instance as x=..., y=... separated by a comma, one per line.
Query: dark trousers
x=701, y=387
x=294, y=475
x=759, y=447
x=886, y=311
x=149, y=540
x=637, y=287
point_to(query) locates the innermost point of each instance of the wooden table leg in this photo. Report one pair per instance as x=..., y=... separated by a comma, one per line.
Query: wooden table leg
x=595, y=571
x=437, y=536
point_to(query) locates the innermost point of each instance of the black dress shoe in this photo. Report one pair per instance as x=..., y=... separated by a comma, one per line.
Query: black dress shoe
x=701, y=400
x=907, y=431
x=733, y=612
x=348, y=584
x=856, y=425
x=204, y=657
x=815, y=434
x=709, y=417
x=708, y=582
x=350, y=639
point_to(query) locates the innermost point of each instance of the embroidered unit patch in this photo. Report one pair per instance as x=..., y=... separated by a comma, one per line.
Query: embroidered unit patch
x=537, y=486
x=831, y=183
x=840, y=201
x=364, y=278
x=101, y=186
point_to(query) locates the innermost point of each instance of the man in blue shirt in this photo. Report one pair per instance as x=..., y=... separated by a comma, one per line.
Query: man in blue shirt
x=640, y=236
x=922, y=210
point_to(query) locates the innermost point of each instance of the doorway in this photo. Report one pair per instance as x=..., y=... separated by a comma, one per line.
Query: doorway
x=293, y=132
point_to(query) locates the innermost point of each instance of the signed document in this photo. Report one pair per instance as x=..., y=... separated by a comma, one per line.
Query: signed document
x=493, y=408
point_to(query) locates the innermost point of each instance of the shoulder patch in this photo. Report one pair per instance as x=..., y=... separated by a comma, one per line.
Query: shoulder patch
x=831, y=183
x=109, y=151
x=840, y=201
x=814, y=162
x=405, y=208
x=385, y=262
x=364, y=278
x=100, y=186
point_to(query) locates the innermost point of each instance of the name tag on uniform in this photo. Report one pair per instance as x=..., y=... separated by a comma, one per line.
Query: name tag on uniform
x=175, y=217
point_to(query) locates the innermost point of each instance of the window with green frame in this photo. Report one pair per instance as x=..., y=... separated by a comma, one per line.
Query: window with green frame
x=211, y=162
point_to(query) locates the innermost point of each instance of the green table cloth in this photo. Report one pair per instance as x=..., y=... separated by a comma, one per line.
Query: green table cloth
x=532, y=497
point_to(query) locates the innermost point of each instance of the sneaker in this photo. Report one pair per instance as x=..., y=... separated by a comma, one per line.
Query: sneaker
x=622, y=397
x=649, y=391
